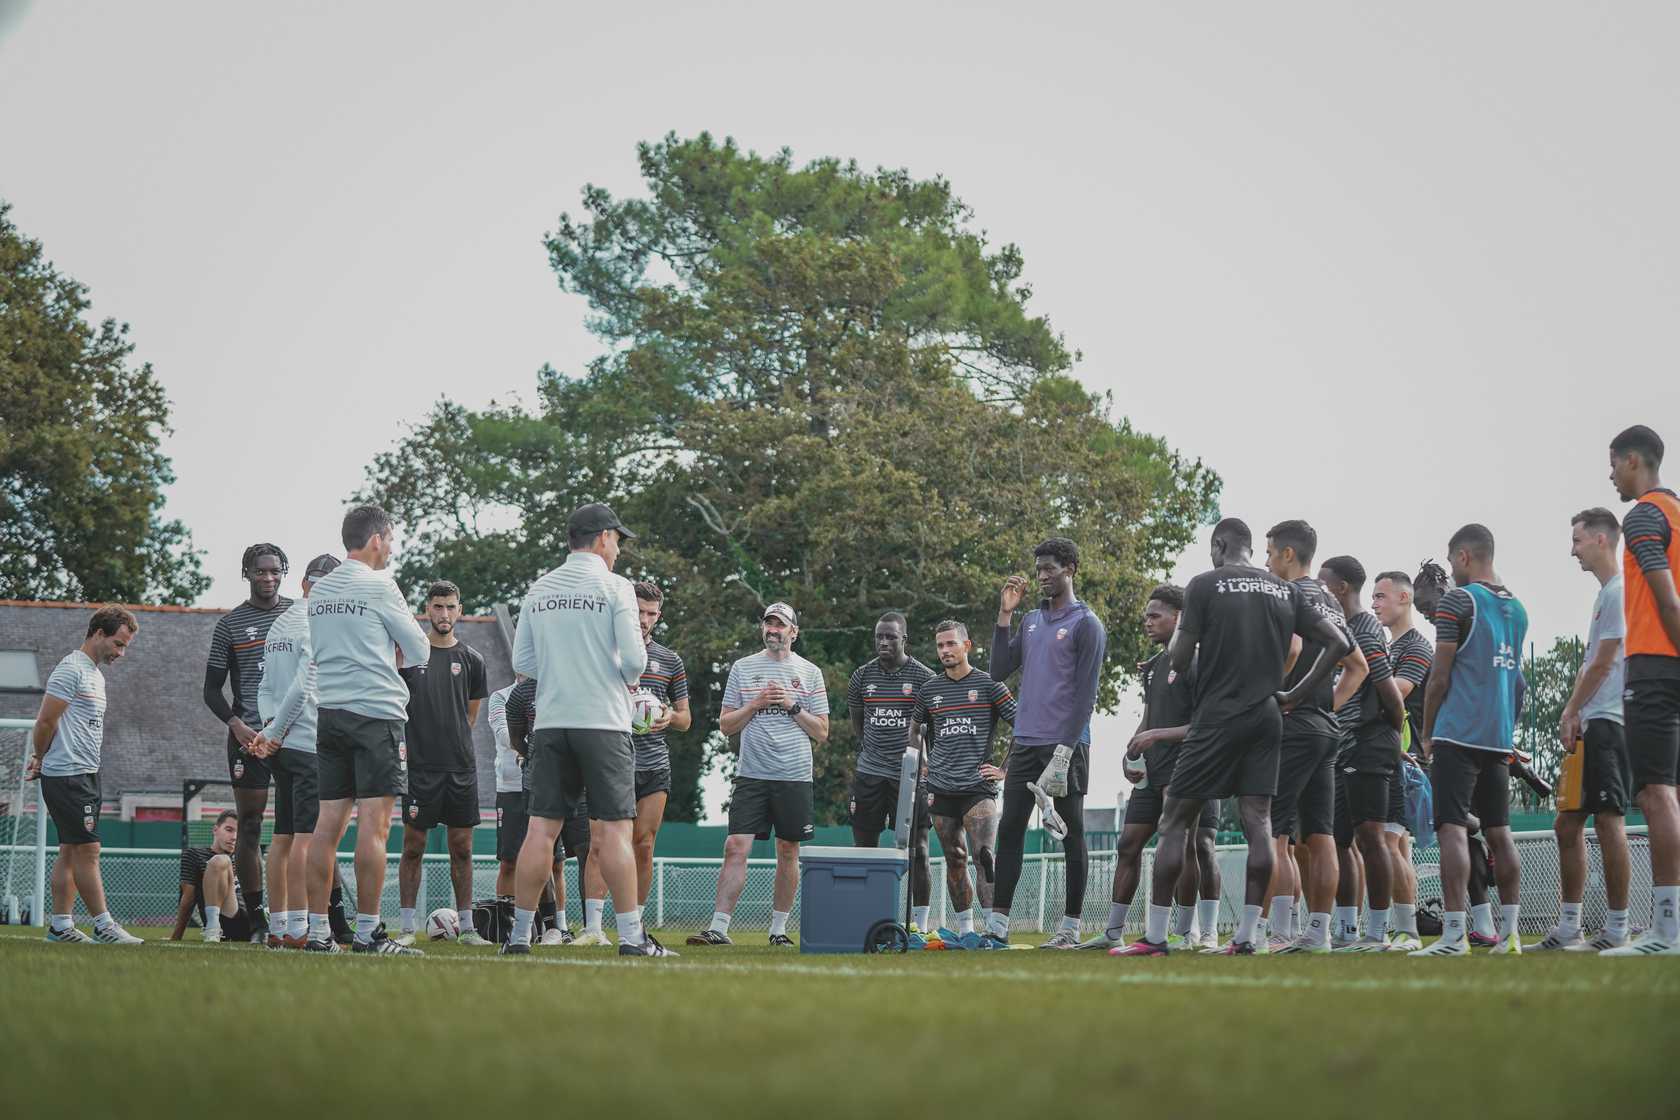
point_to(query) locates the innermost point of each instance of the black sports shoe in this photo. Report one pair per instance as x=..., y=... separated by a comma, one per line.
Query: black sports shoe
x=384, y=946
x=316, y=946
x=650, y=947
x=259, y=926
x=515, y=949
x=780, y=941
x=341, y=931
x=709, y=937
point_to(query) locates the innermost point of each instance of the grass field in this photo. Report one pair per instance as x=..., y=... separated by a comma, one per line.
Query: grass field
x=178, y=1029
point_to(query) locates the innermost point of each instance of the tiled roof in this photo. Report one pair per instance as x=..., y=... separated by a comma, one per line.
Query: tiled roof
x=157, y=730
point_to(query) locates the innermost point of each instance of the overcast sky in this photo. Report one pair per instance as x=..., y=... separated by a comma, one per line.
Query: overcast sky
x=1389, y=270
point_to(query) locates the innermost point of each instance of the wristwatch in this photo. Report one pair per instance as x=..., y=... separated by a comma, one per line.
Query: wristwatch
x=796, y=709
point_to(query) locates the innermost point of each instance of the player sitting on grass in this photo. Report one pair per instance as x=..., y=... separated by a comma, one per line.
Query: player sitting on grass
x=209, y=885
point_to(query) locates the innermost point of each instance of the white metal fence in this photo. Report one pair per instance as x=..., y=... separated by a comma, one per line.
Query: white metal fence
x=142, y=886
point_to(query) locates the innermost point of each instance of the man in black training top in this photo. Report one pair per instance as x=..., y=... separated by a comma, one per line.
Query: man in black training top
x=957, y=714
x=879, y=700
x=443, y=699
x=236, y=658
x=1372, y=718
x=1059, y=650
x=1236, y=629
x=209, y=886
x=1304, y=808
x=1411, y=655
x=1166, y=720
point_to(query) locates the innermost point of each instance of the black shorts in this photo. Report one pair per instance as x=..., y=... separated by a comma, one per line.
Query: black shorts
x=567, y=760
x=446, y=797
x=73, y=804
x=297, y=792
x=237, y=926
x=1235, y=758
x=650, y=782
x=874, y=805
x=957, y=805
x=1651, y=711
x=359, y=756
x=1026, y=764
x=1305, y=802
x=762, y=805
x=1144, y=807
x=574, y=839
x=513, y=822
x=1360, y=797
x=1396, y=813
x=245, y=771
x=1607, y=772
x=1466, y=780
x=1373, y=748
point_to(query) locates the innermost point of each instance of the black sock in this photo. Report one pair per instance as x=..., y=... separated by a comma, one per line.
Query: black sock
x=253, y=902
x=550, y=913
x=337, y=899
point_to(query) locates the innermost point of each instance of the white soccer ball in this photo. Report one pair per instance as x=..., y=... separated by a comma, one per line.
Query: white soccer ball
x=644, y=710
x=443, y=925
x=1136, y=771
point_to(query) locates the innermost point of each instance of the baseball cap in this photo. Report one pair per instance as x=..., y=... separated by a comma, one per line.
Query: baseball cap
x=596, y=517
x=781, y=611
x=320, y=566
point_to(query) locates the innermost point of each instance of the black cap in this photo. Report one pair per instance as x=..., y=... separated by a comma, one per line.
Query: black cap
x=320, y=566
x=596, y=517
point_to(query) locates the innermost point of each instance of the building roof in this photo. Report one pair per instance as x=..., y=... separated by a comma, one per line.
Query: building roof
x=157, y=730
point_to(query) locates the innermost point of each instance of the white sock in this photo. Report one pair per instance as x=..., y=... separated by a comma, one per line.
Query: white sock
x=965, y=922
x=1184, y=918
x=720, y=922
x=1452, y=927
x=919, y=915
x=277, y=923
x=778, y=922
x=1376, y=924
x=985, y=917
x=1508, y=920
x=1405, y=917
x=1569, y=919
x=1347, y=921
x=103, y=920
x=522, y=926
x=464, y=922
x=592, y=908
x=407, y=919
x=297, y=923
x=63, y=923
x=1156, y=924
x=365, y=925
x=320, y=928
x=1616, y=924
x=630, y=926
x=998, y=925
x=1207, y=915
x=1317, y=929
x=1070, y=923
x=1283, y=916
x=212, y=918
x=1665, y=912
x=1247, y=924
x=1117, y=920
x=1481, y=918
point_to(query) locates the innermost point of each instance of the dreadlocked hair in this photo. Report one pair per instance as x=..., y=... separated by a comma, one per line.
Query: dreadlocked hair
x=1431, y=574
x=257, y=551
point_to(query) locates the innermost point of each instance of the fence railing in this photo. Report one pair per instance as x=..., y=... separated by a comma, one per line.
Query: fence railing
x=142, y=886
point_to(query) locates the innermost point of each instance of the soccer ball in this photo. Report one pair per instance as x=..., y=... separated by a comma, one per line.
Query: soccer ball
x=443, y=925
x=644, y=710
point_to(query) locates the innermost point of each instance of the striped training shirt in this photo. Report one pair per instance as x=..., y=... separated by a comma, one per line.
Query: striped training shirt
x=194, y=861
x=886, y=697
x=81, y=729
x=1363, y=707
x=287, y=699
x=1412, y=656
x=357, y=621
x=773, y=746
x=961, y=717
x=666, y=678
x=236, y=646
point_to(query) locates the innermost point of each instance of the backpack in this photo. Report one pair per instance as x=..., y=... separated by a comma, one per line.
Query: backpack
x=493, y=918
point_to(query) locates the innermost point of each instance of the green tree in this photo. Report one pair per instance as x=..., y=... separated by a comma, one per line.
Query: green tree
x=81, y=474
x=1550, y=678
x=818, y=384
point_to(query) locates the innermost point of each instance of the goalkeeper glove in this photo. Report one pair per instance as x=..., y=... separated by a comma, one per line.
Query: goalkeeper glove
x=1054, y=779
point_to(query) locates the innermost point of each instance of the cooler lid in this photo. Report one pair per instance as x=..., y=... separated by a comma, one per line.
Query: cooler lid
x=854, y=855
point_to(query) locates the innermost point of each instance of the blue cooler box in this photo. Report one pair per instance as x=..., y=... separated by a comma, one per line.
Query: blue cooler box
x=844, y=891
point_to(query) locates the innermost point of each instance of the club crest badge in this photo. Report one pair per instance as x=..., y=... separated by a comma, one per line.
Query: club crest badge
x=455, y=668
x=909, y=688
x=239, y=768
x=973, y=695
x=1061, y=633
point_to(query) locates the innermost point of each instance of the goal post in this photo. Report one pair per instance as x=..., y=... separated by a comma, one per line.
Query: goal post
x=23, y=831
